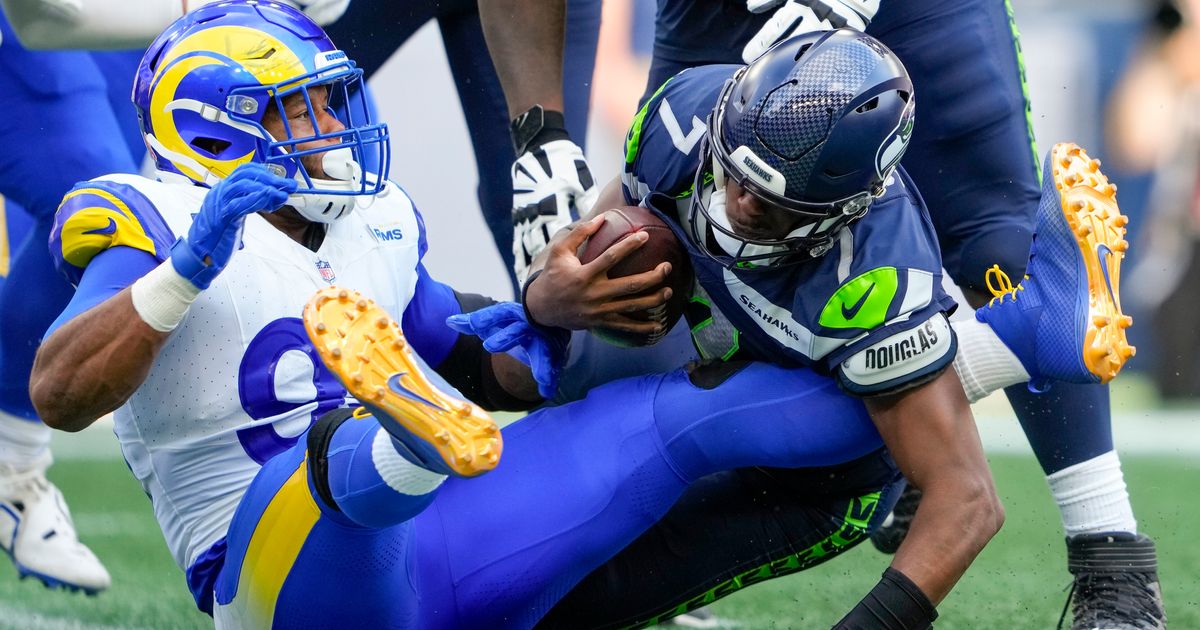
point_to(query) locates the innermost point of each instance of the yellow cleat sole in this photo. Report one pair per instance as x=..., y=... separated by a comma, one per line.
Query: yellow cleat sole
x=1089, y=203
x=367, y=351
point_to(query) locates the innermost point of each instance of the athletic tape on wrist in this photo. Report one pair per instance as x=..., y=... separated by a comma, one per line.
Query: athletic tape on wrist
x=162, y=297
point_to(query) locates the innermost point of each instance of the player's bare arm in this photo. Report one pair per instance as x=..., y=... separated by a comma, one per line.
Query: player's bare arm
x=93, y=363
x=525, y=39
x=960, y=512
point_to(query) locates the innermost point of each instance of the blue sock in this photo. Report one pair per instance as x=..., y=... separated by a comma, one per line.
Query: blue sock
x=1066, y=425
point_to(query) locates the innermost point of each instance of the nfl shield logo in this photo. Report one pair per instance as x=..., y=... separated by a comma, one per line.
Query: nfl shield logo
x=326, y=271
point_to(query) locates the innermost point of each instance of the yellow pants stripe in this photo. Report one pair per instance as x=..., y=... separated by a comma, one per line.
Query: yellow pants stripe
x=277, y=539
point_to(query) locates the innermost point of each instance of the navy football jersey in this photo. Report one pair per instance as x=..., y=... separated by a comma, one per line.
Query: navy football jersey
x=871, y=311
x=683, y=29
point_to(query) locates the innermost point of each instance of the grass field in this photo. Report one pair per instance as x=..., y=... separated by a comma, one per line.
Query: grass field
x=1018, y=582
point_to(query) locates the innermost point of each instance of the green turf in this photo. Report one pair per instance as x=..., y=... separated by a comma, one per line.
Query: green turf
x=1018, y=582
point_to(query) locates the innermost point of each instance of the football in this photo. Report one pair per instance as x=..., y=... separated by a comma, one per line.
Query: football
x=662, y=246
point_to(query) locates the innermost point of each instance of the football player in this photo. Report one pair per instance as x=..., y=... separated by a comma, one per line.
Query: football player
x=285, y=508
x=975, y=144
x=772, y=202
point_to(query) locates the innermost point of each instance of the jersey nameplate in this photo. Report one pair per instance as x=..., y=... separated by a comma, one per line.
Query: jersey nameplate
x=902, y=354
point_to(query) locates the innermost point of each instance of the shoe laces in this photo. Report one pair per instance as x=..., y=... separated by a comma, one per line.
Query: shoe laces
x=1098, y=598
x=16, y=484
x=1000, y=285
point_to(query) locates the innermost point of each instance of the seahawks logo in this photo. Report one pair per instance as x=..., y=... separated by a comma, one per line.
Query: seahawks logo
x=892, y=149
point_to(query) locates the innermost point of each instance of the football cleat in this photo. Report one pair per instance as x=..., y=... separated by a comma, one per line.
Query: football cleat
x=1064, y=321
x=37, y=533
x=1116, y=583
x=368, y=353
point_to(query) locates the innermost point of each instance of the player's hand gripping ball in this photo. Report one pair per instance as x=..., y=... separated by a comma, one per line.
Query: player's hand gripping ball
x=661, y=246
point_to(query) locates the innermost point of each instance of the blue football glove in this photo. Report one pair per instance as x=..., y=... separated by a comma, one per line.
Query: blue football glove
x=215, y=229
x=504, y=328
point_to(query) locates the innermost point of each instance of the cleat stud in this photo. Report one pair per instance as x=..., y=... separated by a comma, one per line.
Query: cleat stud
x=1077, y=205
x=467, y=458
x=336, y=353
x=1093, y=165
x=1100, y=321
x=321, y=328
x=1120, y=220
x=443, y=436
x=1126, y=352
x=379, y=393
x=1083, y=231
x=465, y=410
x=343, y=295
x=487, y=448
x=382, y=322
x=1121, y=246
x=361, y=305
x=357, y=378
x=493, y=458
x=1126, y=321
x=398, y=344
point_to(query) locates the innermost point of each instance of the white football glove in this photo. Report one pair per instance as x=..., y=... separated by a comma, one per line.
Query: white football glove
x=795, y=17
x=552, y=187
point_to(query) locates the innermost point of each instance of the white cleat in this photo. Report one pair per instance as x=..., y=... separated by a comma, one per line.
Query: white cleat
x=37, y=533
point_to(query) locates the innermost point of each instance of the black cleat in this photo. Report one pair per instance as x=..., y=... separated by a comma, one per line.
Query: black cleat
x=891, y=533
x=1116, y=583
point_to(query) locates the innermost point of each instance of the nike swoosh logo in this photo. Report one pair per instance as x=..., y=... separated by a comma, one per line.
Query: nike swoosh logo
x=111, y=228
x=849, y=313
x=1103, y=253
x=396, y=386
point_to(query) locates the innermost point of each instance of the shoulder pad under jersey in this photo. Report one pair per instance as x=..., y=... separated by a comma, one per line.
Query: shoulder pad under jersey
x=97, y=215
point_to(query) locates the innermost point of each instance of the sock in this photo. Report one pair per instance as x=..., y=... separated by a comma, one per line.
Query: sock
x=1092, y=498
x=397, y=472
x=984, y=364
x=24, y=444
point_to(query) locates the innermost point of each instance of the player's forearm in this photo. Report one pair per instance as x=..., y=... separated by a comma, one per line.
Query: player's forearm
x=932, y=437
x=90, y=24
x=93, y=364
x=525, y=39
x=956, y=519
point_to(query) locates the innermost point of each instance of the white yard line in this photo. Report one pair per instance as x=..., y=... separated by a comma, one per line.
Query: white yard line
x=16, y=617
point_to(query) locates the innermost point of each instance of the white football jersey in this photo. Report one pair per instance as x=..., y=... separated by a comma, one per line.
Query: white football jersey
x=238, y=381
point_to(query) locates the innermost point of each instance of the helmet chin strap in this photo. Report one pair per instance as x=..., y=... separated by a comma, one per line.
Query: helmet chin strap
x=717, y=204
x=347, y=175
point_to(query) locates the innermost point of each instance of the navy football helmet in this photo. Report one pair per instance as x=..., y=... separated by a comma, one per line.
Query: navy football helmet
x=814, y=127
